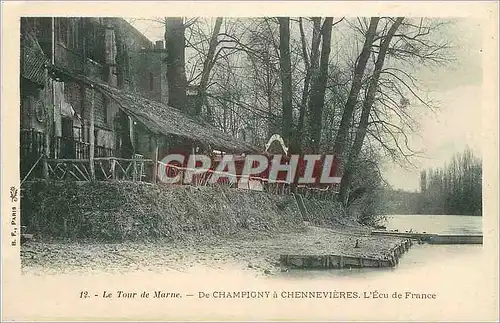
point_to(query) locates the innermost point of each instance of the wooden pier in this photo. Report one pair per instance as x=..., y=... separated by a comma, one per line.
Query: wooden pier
x=434, y=238
x=455, y=239
x=390, y=259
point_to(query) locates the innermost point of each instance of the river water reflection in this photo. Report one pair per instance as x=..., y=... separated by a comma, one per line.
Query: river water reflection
x=460, y=275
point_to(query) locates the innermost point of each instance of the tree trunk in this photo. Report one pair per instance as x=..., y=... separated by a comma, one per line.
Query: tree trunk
x=176, y=73
x=341, y=138
x=46, y=142
x=286, y=78
x=207, y=68
x=91, y=136
x=311, y=66
x=269, y=89
x=318, y=88
x=365, y=114
x=155, y=165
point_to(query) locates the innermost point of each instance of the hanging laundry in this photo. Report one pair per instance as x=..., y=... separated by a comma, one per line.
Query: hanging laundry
x=65, y=108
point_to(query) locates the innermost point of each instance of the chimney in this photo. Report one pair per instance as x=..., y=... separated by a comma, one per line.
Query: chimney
x=110, y=54
x=159, y=45
x=110, y=45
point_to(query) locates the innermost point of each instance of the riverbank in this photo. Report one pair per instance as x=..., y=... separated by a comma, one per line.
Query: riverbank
x=257, y=252
x=117, y=211
x=123, y=226
x=61, y=270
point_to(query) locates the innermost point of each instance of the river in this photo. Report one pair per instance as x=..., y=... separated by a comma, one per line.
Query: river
x=452, y=224
x=420, y=256
x=458, y=274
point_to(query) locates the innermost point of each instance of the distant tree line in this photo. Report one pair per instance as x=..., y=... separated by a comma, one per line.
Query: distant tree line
x=455, y=188
x=400, y=202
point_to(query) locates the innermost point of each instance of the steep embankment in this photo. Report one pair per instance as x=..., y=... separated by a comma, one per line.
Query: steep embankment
x=128, y=211
x=329, y=213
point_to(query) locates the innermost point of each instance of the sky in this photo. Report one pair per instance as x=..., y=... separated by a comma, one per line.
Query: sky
x=456, y=91
x=457, y=122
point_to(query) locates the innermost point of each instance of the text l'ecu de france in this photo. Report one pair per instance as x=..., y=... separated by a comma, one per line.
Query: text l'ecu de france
x=220, y=294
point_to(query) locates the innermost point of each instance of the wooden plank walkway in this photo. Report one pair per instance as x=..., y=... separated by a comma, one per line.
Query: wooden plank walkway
x=456, y=239
x=391, y=259
x=434, y=238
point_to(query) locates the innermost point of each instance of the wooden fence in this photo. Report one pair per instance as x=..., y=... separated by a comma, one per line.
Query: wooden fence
x=140, y=169
x=278, y=187
x=105, y=168
x=69, y=160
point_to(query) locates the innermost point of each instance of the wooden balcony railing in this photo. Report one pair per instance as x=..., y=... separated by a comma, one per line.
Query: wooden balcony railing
x=30, y=150
x=105, y=168
x=32, y=143
x=63, y=147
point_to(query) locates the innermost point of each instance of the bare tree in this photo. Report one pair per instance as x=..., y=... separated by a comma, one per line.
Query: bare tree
x=264, y=59
x=317, y=99
x=311, y=64
x=207, y=68
x=367, y=106
x=286, y=78
x=341, y=138
x=415, y=44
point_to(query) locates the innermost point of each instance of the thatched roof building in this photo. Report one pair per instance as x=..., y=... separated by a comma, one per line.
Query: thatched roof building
x=163, y=119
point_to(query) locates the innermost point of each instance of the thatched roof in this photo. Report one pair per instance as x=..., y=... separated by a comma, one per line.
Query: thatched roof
x=163, y=119
x=32, y=60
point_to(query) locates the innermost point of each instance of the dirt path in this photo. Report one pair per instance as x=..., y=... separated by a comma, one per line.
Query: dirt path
x=249, y=252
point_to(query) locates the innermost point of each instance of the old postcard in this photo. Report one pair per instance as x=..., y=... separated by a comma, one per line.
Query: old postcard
x=249, y=161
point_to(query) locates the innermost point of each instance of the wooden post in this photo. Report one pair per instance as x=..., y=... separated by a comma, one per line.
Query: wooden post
x=91, y=136
x=46, y=140
x=113, y=168
x=134, y=166
x=155, y=161
x=192, y=173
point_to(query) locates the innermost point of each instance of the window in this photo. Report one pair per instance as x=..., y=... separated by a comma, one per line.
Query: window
x=96, y=133
x=77, y=134
x=151, y=82
x=105, y=106
x=126, y=63
x=67, y=32
x=94, y=41
x=73, y=39
x=67, y=127
x=63, y=28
